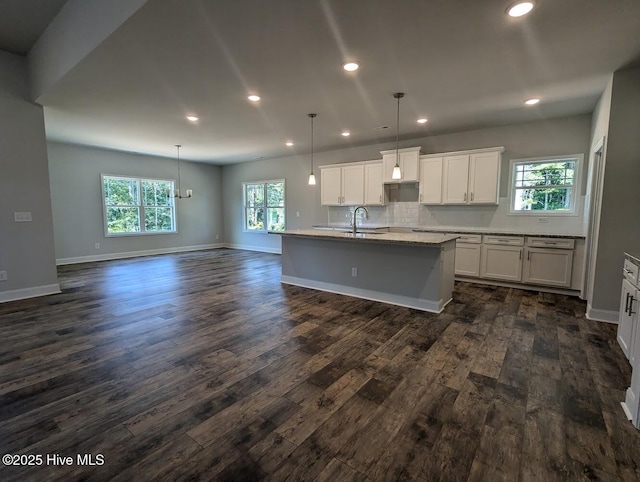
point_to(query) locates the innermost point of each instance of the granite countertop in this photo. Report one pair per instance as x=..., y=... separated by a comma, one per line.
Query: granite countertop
x=451, y=229
x=387, y=238
x=633, y=256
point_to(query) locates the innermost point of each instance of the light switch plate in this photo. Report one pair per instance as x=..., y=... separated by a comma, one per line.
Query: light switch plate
x=24, y=217
x=3, y=276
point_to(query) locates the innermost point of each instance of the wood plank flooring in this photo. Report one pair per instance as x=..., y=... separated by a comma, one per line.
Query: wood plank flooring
x=202, y=366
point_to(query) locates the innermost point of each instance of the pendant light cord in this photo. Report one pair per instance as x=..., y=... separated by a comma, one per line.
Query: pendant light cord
x=398, y=95
x=179, y=146
x=311, y=116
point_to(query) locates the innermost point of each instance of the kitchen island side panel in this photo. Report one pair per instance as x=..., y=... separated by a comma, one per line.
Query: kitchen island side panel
x=408, y=275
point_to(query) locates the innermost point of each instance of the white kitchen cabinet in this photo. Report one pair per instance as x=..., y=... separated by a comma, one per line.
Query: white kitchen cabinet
x=430, y=191
x=353, y=185
x=629, y=335
x=471, y=178
x=545, y=266
x=626, y=320
x=373, y=184
x=502, y=258
x=455, y=179
x=484, y=177
x=468, y=249
x=331, y=186
x=408, y=162
x=342, y=185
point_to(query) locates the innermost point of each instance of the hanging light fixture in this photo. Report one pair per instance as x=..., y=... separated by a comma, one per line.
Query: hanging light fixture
x=176, y=192
x=397, y=174
x=312, y=177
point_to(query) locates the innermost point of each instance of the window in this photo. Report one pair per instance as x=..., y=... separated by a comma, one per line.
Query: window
x=137, y=206
x=544, y=185
x=264, y=206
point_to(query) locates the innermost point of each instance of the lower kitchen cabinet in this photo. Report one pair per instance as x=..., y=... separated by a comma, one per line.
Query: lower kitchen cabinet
x=626, y=320
x=501, y=262
x=468, y=259
x=544, y=266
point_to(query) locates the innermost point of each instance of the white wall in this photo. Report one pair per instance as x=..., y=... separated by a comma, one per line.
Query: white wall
x=26, y=249
x=568, y=135
x=77, y=203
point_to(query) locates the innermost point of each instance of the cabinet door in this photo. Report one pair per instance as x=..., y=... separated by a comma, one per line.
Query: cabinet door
x=455, y=179
x=625, y=322
x=373, y=184
x=431, y=180
x=331, y=186
x=409, y=166
x=353, y=185
x=501, y=262
x=484, y=175
x=550, y=267
x=468, y=259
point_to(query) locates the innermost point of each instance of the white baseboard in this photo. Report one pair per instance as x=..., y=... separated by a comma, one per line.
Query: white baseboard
x=247, y=247
x=32, y=292
x=406, y=301
x=136, y=254
x=606, y=316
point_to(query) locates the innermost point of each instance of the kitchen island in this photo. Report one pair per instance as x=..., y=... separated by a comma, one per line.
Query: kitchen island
x=415, y=270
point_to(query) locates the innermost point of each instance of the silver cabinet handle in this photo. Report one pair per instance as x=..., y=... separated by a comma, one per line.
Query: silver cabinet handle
x=627, y=271
x=465, y=197
x=528, y=255
x=472, y=196
x=380, y=197
x=520, y=255
x=420, y=197
x=626, y=303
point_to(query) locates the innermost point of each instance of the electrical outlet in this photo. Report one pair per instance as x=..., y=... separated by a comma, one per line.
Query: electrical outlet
x=3, y=276
x=97, y=245
x=217, y=236
x=543, y=220
x=24, y=217
x=354, y=272
x=297, y=214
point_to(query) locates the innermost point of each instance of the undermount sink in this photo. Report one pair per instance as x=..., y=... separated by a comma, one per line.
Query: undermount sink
x=360, y=234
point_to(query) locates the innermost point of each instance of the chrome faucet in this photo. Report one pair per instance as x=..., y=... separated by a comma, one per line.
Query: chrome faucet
x=355, y=211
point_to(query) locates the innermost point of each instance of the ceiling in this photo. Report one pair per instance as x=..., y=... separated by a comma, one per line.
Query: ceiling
x=463, y=64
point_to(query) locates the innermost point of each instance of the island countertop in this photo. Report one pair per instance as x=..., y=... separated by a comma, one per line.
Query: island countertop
x=433, y=239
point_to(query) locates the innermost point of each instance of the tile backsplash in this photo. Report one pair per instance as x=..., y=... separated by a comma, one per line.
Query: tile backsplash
x=410, y=213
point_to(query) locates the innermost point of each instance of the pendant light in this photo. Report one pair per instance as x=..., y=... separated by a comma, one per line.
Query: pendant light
x=176, y=193
x=397, y=174
x=312, y=177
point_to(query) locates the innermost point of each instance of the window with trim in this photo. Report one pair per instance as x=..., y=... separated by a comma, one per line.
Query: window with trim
x=264, y=206
x=544, y=186
x=137, y=206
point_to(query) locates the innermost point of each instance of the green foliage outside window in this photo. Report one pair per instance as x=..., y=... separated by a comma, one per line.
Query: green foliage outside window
x=129, y=200
x=264, y=206
x=544, y=186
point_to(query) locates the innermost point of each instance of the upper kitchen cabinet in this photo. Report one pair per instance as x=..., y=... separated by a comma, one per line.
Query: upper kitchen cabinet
x=407, y=160
x=342, y=185
x=430, y=180
x=471, y=177
x=374, y=184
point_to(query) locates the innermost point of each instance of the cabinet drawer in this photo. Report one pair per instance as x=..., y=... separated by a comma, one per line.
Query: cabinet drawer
x=504, y=240
x=469, y=238
x=558, y=243
x=630, y=272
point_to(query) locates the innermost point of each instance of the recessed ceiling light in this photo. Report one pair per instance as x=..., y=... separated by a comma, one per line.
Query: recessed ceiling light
x=254, y=98
x=519, y=9
x=288, y=143
x=351, y=66
x=422, y=121
x=193, y=118
x=533, y=101
x=346, y=134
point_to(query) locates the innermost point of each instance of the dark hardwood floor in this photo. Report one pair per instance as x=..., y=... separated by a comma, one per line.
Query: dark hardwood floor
x=202, y=366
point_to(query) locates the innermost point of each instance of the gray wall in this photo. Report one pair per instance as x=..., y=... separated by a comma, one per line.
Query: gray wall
x=77, y=203
x=619, y=219
x=26, y=249
x=569, y=135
